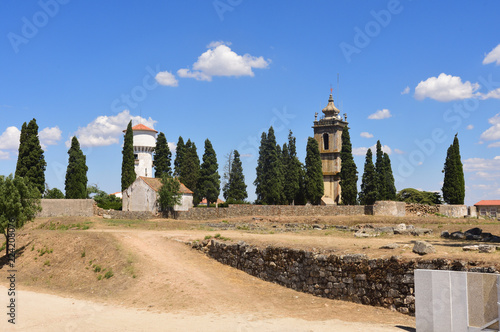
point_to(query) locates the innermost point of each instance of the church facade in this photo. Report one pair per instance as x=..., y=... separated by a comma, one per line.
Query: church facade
x=328, y=133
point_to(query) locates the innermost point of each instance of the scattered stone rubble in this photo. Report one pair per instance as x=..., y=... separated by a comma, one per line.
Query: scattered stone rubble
x=473, y=234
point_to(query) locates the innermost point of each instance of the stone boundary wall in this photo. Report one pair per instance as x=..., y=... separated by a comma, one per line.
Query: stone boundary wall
x=385, y=282
x=389, y=208
x=118, y=214
x=66, y=207
x=454, y=211
x=248, y=210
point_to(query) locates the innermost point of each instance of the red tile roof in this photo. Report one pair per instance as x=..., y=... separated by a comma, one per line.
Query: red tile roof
x=142, y=127
x=488, y=202
x=155, y=184
x=204, y=201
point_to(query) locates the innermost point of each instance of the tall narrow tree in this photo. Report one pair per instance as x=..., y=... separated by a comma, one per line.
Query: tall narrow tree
x=227, y=173
x=380, y=171
x=268, y=183
x=31, y=162
x=75, y=184
x=260, y=184
x=190, y=170
x=314, y=187
x=348, y=171
x=162, y=157
x=368, y=193
x=179, y=154
x=389, y=179
x=291, y=167
x=237, y=188
x=454, y=182
x=128, y=160
x=209, y=180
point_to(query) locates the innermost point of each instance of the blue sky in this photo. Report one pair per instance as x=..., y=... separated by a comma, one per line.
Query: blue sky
x=412, y=75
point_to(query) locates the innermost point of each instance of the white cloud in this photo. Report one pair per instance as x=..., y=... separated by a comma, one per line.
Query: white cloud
x=495, y=94
x=362, y=150
x=446, y=88
x=220, y=60
x=4, y=155
x=107, y=130
x=49, y=136
x=470, y=127
x=494, y=145
x=398, y=151
x=492, y=133
x=484, y=168
x=9, y=140
x=493, y=56
x=380, y=114
x=366, y=134
x=406, y=91
x=172, y=146
x=166, y=78
x=246, y=155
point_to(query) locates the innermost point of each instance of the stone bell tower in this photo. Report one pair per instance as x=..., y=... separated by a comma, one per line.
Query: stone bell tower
x=328, y=134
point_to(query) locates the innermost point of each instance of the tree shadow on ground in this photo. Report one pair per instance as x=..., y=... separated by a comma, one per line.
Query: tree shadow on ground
x=4, y=260
x=406, y=328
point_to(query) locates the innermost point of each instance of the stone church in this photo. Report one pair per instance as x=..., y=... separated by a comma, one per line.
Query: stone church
x=328, y=134
x=142, y=193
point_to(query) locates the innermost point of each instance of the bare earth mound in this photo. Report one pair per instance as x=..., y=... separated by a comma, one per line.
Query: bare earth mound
x=153, y=278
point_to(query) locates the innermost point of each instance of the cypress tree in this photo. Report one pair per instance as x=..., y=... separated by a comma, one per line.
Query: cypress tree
x=190, y=170
x=454, y=182
x=348, y=171
x=268, y=183
x=291, y=170
x=272, y=168
x=314, y=187
x=281, y=179
x=380, y=170
x=75, y=184
x=389, y=179
x=162, y=157
x=179, y=153
x=31, y=162
x=237, y=188
x=259, y=182
x=227, y=174
x=368, y=193
x=209, y=180
x=128, y=166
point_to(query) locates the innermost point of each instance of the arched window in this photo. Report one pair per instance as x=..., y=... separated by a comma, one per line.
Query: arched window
x=326, y=143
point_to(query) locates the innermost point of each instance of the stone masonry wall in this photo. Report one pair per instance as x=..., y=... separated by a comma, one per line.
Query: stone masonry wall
x=379, y=282
x=117, y=214
x=453, y=211
x=389, y=208
x=241, y=210
x=67, y=207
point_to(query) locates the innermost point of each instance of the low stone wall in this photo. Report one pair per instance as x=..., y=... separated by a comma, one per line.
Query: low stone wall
x=453, y=211
x=118, y=214
x=67, y=207
x=246, y=210
x=389, y=208
x=386, y=282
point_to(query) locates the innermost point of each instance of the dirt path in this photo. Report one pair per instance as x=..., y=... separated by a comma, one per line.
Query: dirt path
x=178, y=288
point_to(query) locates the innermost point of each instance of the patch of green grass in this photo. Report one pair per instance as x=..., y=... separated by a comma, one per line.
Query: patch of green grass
x=118, y=222
x=225, y=221
x=3, y=246
x=99, y=277
x=108, y=274
x=208, y=237
x=46, y=263
x=32, y=248
x=44, y=251
x=217, y=236
x=83, y=253
x=97, y=268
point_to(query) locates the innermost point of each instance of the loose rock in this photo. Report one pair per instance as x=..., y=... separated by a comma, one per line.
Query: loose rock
x=423, y=248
